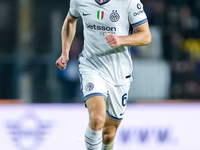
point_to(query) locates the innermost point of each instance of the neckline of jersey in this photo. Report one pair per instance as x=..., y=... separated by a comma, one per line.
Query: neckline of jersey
x=97, y=1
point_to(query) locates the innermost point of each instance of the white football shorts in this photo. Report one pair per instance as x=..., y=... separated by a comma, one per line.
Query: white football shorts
x=92, y=84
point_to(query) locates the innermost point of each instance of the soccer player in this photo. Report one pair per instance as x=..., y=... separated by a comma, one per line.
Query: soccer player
x=105, y=63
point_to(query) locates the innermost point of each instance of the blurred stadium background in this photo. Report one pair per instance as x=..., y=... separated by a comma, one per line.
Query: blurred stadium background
x=166, y=76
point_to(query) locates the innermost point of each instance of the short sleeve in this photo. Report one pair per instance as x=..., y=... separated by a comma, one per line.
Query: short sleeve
x=136, y=13
x=73, y=10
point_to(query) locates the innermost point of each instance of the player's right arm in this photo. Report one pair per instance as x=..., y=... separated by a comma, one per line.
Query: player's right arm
x=68, y=33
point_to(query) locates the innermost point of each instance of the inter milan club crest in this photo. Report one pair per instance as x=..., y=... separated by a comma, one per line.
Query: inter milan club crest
x=89, y=86
x=114, y=16
x=100, y=15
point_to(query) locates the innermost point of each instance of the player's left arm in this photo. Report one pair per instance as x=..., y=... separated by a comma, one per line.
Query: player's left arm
x=141, y=37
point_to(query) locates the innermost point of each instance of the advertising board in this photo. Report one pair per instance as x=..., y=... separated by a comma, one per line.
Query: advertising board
x=62, y=127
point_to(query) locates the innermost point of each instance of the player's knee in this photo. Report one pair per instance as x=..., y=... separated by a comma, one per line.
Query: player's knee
x=108, y=137
x=97, y=122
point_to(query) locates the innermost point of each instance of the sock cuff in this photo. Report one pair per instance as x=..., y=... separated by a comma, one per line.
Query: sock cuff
x=108, y=147
x=93, y=134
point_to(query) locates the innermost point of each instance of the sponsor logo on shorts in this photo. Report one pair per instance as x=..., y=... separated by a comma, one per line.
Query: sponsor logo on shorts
x=122, y=114
x=89, y=86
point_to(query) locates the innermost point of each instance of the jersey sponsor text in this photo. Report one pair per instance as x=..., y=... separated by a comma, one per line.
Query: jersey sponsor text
x=103, y=28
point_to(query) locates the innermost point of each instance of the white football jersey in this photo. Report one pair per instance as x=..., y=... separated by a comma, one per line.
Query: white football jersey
x=111, y=16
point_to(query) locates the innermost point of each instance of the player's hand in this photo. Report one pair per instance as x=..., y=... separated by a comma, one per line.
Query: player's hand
x=61, y=62
x=113, y=40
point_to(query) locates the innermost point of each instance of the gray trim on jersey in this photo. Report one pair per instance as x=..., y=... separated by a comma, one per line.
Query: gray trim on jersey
x=97, y=1
x=73, y=16
x=92, y=95
x=112, y=117
x=140, y=22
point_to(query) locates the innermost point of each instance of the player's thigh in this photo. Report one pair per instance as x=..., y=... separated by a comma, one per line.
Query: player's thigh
x=97, y=112
x=96, y=106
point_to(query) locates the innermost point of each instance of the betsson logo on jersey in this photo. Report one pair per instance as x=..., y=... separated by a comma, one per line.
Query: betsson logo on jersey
x=103, y=28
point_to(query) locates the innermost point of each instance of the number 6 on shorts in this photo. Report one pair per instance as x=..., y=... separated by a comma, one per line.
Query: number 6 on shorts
x=124, y=100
